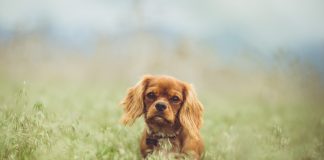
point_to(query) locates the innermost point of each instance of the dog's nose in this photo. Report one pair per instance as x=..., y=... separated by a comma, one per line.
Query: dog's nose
x=160, y=106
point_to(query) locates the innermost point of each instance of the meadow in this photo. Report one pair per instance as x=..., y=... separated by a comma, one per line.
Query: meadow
x=67, y=109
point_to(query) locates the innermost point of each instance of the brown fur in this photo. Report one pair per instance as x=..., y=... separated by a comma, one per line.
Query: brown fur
x=179, y=122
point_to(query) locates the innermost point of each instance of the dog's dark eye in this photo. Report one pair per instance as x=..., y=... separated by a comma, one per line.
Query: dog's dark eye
x=175, y=99
x=150, y=95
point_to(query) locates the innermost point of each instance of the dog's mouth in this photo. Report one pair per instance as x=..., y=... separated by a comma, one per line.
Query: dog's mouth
x=159, y=119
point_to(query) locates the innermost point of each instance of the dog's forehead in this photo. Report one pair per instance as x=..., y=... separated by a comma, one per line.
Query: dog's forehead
x=166, y=83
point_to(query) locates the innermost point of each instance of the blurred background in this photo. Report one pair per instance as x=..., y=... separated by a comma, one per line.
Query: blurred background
x=245, y=58
x=112, y=39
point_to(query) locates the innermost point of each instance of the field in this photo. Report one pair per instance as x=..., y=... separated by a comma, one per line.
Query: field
x=256, y=114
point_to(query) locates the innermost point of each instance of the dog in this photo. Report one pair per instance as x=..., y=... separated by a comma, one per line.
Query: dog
x=172, y=113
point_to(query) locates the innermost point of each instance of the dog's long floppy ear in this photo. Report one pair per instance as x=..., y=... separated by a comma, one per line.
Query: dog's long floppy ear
x=191, y=112
x=133, y=102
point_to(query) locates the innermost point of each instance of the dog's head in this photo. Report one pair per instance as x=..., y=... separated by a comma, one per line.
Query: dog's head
x=164, y=101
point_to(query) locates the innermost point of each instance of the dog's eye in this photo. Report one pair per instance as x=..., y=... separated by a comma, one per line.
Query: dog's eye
x=175, y=99
x=150, y=95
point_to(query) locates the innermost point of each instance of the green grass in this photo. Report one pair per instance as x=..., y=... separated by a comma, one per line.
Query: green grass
x=81, y=121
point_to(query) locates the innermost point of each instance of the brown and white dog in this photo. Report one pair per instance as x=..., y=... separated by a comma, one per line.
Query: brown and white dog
x=172, y=113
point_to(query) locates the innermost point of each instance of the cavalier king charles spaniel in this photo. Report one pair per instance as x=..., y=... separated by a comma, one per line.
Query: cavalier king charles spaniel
x=172, y=113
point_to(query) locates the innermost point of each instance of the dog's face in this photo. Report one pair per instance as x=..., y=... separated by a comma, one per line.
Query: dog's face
x=164, y=100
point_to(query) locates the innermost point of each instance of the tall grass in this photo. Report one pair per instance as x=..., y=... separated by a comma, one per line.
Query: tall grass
x=79, y=122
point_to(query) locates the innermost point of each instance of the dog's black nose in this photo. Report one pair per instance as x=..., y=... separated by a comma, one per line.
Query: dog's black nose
x=160, y=106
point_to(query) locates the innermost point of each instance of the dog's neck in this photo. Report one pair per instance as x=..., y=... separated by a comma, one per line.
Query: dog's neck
x=162, y=134
x=161, y=137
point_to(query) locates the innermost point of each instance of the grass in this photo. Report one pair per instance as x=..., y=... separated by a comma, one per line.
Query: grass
x=81, y=121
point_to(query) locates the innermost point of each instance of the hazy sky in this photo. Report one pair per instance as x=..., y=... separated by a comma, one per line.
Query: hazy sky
x=269, y=23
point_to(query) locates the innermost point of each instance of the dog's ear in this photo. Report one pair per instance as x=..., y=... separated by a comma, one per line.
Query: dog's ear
x=191, y=112
x=133, y=103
